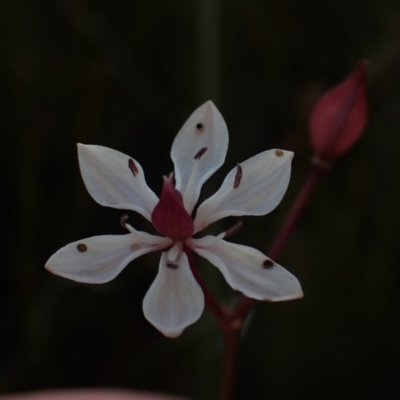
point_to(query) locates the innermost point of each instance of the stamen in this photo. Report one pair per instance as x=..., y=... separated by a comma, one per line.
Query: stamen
x=234, y=229
x=130, y=229
x=267, y=264
x=175, y=251
x=238, y=176
x=123, y=220
x=132, y=166
x=200, y=153
x=172, y=265
x=81, y=247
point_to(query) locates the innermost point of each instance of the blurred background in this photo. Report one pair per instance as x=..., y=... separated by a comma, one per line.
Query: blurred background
x=126, y=74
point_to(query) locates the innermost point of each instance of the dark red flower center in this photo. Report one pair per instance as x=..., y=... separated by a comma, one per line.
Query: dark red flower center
x=169, y=216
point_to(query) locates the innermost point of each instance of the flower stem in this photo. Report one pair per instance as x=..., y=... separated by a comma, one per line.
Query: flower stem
x=230, y=326
x=231, y=322
x=229, y=364
x=219, y=313
x=316, y=173
x=318, y=170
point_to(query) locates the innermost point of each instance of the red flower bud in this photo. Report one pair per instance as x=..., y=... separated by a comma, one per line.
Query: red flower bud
x=169, y=216
x=338, y=118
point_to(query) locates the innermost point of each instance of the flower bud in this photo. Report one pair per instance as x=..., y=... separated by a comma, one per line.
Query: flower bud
x=339, y=116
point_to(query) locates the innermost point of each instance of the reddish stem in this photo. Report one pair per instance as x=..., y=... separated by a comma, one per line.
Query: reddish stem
x=231, y=323
x=318, y=170
x=316, y=173
x=229, y=364
x=230, y=327
x=219, y=313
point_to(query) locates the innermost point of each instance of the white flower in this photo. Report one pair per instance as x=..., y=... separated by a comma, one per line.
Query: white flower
x=175, y=299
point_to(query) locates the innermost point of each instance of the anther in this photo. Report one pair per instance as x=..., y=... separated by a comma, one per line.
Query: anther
x=81, y=247
x=234, y=229
x=172, y=265
x=199, y=127
x=279, y=153
x=123, y=220
x=267, y=264
x=238, y=176
x=133, y=167
x=200, y=153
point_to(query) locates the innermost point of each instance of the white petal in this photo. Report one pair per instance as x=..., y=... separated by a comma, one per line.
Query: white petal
x=174, y=300
x=205, y=128
x=265, y=178
x=110, y=181
x=244, y=268
x=101, y=258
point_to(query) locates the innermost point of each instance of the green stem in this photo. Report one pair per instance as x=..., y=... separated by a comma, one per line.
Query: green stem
x=209, y=50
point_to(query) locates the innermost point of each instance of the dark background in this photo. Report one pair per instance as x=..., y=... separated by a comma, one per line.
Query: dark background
x=127, y=74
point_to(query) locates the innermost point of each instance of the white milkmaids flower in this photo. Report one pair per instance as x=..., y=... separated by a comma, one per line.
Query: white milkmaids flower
x=175, y=299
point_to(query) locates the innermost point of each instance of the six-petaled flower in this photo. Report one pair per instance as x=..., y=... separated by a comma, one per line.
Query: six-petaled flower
x=175, y=299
